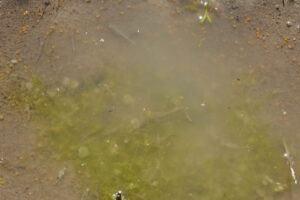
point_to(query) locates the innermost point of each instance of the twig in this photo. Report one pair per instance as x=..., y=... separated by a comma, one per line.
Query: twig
x=290, y=161
x=120, y=34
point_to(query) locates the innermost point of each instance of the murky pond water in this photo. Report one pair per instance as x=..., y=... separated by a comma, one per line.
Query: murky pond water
x=160, y=109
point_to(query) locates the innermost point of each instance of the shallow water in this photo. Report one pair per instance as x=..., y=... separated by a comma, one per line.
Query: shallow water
x=165, y=112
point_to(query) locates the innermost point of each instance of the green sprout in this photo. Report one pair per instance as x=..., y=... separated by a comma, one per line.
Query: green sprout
x=206, y=14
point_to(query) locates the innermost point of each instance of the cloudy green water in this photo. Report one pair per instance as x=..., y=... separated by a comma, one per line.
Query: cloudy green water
x=154, y=140
x=166, y=119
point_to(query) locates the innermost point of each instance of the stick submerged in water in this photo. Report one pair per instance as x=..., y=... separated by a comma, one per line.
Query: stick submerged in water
x=120, y=34
x=290, y=160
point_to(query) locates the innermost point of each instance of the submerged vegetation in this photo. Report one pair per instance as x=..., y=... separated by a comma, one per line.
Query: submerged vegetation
x=123, y=131
x=206, y=13
x=194, y=5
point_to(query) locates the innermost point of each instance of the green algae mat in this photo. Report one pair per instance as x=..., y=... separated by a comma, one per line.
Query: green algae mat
x=154, y=138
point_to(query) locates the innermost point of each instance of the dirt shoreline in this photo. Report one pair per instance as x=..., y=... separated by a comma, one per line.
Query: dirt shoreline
x=24, y=26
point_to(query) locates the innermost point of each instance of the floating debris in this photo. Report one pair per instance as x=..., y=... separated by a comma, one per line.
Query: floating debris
x=290, y=160
x=118, y=196
x=61, y=174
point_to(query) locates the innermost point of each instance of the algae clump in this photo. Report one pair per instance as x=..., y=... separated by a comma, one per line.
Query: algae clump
x=165, y=145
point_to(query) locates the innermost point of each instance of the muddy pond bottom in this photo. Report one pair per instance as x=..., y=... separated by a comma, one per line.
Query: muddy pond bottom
x=154, y=139
x=162, y=117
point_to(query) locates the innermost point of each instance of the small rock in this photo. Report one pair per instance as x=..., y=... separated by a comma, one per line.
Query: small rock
x=284, y=112
x=291, y=46
x=2, y=181
x=47, y=2
x=289, y=24
x=277, y=6
x=61, y=174
x=14, y=61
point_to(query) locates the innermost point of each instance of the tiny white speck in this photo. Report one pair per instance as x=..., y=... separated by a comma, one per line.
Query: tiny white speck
x=57, y=89
x=86, y=33
x=101, y=40
x=284, y=112
x=203, y=104
x=285, y=154
x=138, y=30
x=200, y=17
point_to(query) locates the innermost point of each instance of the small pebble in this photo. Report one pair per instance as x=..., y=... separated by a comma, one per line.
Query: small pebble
x=47, y=3
x=277, y=6
x=289, y=24
x=284, y=112
x=14, y=61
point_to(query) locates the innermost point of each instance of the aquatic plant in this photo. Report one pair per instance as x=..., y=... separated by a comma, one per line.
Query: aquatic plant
x=206, y=13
